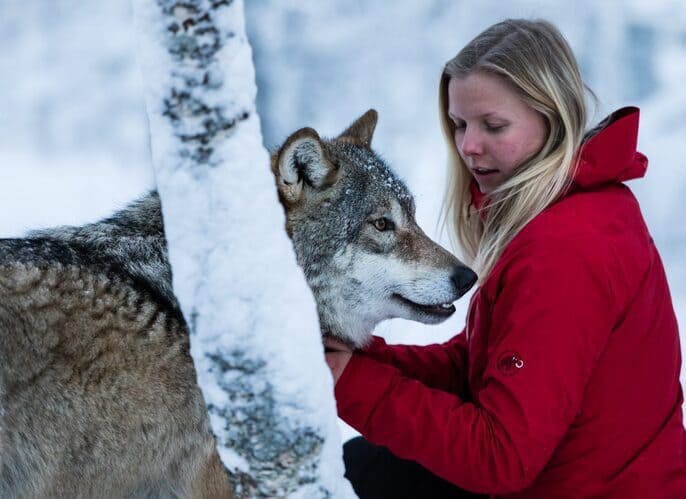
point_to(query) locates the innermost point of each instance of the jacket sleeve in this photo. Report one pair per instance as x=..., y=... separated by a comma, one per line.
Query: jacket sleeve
x=441, y=366
x=553, y=313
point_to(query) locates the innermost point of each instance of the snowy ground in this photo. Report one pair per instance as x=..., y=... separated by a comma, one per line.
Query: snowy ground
x=73, y=134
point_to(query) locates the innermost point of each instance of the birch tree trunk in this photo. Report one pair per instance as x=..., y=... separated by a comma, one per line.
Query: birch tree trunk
x=254, y=338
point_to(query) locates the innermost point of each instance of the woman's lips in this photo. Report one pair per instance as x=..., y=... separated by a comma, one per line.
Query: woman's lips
x=483, y=172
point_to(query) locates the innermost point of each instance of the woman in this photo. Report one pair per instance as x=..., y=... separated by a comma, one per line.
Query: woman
x=565, y=381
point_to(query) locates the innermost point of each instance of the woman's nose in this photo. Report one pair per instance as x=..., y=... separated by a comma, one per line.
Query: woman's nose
x=470, y=145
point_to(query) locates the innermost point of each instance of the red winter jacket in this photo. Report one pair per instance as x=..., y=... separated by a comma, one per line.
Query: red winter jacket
x=565, y=383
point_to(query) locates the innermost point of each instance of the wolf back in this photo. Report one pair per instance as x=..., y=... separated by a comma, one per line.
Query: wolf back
x=97, y=386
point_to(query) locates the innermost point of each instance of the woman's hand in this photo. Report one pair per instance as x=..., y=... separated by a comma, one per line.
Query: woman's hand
x=337, y=356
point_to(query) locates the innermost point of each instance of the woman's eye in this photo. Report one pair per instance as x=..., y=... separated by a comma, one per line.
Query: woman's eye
x=494, y=128
x=383, y=224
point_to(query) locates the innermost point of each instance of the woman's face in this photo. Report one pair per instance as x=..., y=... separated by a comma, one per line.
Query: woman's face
x=495, y=131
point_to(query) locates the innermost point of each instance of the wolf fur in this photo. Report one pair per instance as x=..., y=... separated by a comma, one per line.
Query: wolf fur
x=352, y=223
x=98, y=393
x=98, y=396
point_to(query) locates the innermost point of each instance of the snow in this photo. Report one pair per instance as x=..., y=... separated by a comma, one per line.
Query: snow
x=73, y=131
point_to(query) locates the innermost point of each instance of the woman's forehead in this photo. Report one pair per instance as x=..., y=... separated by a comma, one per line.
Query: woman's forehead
x=480, y=95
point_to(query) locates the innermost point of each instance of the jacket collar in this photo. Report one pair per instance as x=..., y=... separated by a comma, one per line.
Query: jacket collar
x=478, y=197
x=610, y=156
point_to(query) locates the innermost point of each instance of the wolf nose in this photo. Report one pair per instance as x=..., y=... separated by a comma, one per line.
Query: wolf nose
x=464, y=278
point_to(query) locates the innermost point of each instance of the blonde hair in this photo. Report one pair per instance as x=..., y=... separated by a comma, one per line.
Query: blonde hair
x=534, y=59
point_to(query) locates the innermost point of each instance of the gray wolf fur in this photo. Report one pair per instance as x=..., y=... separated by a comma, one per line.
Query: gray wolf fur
x=352, y=223
x=98, y=393
x=98, y=396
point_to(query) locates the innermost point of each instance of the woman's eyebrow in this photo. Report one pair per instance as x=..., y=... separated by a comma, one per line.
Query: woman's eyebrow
x=489, y=114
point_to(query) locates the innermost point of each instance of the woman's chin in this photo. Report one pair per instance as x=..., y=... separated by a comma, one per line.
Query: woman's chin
x=485, y=187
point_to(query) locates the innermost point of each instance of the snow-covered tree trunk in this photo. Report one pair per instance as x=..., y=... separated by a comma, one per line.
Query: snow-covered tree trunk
x=257, y=351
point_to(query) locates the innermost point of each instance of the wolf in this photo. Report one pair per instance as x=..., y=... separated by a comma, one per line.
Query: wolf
x=98, y=392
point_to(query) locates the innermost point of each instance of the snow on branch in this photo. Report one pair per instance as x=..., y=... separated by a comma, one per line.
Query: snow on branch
x=254, y=333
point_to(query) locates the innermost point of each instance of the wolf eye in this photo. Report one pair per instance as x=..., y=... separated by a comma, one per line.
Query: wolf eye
x=383, y=224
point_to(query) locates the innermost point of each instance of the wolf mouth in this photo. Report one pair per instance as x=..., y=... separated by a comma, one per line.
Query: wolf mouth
x=437, y=310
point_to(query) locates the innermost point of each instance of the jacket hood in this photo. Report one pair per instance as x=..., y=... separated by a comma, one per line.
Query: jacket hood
x=608, y=156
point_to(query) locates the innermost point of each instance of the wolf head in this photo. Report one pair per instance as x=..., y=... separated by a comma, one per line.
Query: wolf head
x=352, y=223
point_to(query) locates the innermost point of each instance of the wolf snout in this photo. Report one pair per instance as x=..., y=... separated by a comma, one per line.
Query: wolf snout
x=464, y=278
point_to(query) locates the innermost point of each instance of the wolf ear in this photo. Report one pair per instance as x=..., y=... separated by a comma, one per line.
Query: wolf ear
x=302, y=161
x=361, y=131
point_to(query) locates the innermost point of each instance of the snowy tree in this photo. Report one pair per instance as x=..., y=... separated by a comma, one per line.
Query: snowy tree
x=257, y=351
